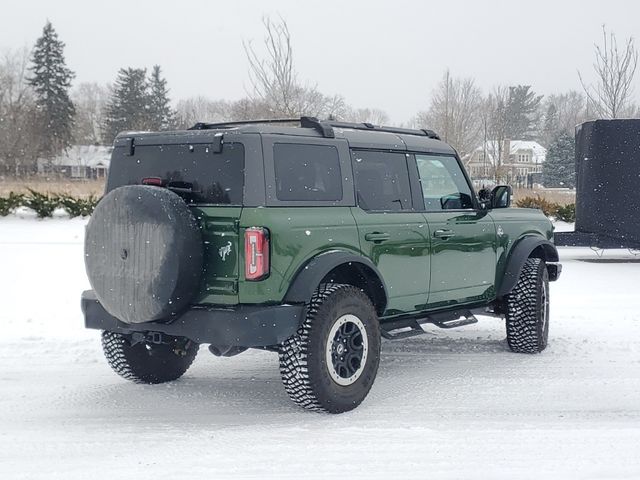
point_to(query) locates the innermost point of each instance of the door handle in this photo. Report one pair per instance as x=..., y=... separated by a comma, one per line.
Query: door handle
x=377, y=237
x=444, y=234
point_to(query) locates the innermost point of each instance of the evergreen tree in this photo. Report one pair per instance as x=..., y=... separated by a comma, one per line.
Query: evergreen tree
x=51, y=80
x=522, y=113
x=162, y=116
x=129, y=105
x=558, y=169
x=551, y=125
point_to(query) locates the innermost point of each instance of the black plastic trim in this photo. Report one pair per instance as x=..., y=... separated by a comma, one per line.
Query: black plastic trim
x=311, y=274
x=243, y=326
x=554, y=269
x=519, y=254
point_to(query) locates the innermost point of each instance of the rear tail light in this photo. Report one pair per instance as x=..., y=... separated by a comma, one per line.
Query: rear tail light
x=156, y=181
x=256, y=253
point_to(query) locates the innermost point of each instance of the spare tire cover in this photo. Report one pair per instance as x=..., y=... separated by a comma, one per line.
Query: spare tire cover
x=143, y=253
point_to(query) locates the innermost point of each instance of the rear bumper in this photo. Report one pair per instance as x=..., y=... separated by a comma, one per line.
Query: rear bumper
x=243, y=326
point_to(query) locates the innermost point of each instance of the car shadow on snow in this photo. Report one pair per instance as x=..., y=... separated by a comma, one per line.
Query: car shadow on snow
x=246, y=390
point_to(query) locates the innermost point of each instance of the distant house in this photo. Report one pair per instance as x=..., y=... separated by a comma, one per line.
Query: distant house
x=517, y=162
x=78, y=162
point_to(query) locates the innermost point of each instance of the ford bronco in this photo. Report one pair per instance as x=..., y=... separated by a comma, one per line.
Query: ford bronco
x=312, y=240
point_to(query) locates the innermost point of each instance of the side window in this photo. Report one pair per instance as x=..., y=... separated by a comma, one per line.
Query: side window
x=444, y=186
x=382, y=181
x=307, y=172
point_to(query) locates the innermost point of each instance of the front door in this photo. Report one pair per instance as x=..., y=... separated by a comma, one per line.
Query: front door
x=463, y=239
x=392, y=233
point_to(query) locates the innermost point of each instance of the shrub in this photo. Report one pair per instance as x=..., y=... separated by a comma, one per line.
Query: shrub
x=8, y=204
x=77, y=207
x=550, y=209
x=42, y=203
x=566, y=213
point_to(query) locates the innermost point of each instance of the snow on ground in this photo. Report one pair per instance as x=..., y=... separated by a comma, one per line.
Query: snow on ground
x=449, y=404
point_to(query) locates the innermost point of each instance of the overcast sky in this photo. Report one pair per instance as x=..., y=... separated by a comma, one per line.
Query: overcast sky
x=385, y=54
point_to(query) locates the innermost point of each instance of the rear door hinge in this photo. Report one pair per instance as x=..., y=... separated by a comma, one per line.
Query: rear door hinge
x=131, y=146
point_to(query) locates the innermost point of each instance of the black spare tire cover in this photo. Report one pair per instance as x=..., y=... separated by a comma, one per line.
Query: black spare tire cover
x=143, y=253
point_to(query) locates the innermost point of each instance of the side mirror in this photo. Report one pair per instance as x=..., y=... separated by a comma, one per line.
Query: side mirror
x=501, y=197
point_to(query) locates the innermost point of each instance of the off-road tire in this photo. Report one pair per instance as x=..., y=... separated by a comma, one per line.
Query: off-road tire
x=527, y=312
x=303, y=364
x=148, y=363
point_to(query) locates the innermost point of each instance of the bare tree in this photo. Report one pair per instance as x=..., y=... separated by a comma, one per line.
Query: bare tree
x=90, y=100
x=562, y=112
x=375, y=116
x=274, y=79
x=615, y=69
x=192, y=110
x=495, y=128
x=455, y=113
x=18, y=150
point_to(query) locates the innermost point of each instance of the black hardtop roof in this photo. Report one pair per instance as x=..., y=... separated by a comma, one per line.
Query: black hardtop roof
x=359, y=135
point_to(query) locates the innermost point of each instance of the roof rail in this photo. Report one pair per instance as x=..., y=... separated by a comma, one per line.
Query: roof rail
x=305, y=122
x=377, y=128
x=210, y=126
x=323, y=127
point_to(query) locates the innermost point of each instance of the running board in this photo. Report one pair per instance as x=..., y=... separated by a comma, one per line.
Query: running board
x=410, y=327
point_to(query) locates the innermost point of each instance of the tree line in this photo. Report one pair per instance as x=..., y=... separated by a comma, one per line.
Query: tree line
x=41, y=115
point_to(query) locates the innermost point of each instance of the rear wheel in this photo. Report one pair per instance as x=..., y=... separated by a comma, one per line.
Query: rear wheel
x=527, y=314
x=145, y=362
x=331, y=363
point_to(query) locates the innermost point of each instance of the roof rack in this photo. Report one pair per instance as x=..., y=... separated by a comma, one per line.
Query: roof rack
x=378, y=128
x=305, y=122
x=323, y=127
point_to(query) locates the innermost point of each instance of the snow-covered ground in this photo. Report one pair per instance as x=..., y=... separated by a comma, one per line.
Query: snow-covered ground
x=449, y=404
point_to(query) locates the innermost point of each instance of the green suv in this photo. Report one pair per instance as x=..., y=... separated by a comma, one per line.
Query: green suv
x=313, y=241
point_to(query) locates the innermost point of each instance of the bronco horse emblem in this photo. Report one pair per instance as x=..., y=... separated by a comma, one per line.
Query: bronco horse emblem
x=224, y=251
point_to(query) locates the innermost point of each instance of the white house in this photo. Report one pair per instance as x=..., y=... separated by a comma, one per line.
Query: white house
x=79, y=161
x=512, y=161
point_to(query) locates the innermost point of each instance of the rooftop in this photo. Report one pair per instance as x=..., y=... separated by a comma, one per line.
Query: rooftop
x=84, y=156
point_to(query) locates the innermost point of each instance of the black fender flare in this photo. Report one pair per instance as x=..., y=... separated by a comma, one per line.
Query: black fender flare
x=516, y=260
x=309, y=276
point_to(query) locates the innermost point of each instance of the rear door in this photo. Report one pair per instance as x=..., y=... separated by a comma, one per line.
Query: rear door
x=392, y=233
x=211, y=182
x=463, y=238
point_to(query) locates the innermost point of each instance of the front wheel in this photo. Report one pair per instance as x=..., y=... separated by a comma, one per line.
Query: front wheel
x=144, y=362
x=331, y=363
x=527, y=313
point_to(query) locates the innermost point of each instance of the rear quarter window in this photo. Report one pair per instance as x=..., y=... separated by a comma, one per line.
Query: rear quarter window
x=307, y=172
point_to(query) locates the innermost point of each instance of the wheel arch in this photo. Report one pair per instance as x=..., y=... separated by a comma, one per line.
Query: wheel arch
x=339, y=267
x=527, y=247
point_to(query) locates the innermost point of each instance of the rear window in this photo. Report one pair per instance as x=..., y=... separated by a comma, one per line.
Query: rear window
x=192, y=171
x=307, y=172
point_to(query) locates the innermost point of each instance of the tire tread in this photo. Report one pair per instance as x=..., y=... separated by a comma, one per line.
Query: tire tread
x=522, y=310
x=115, y=348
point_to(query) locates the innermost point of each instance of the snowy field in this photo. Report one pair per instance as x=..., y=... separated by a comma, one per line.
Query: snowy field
x=449, y=404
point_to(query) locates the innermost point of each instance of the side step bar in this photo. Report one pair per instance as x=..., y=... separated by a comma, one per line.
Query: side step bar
x=410, y=327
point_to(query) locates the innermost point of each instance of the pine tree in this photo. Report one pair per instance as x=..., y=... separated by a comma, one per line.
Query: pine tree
x=558, y=169
x=551, y=125
x=522, y=113
x=162, y=116
x=51, y=80
x=129, y=104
